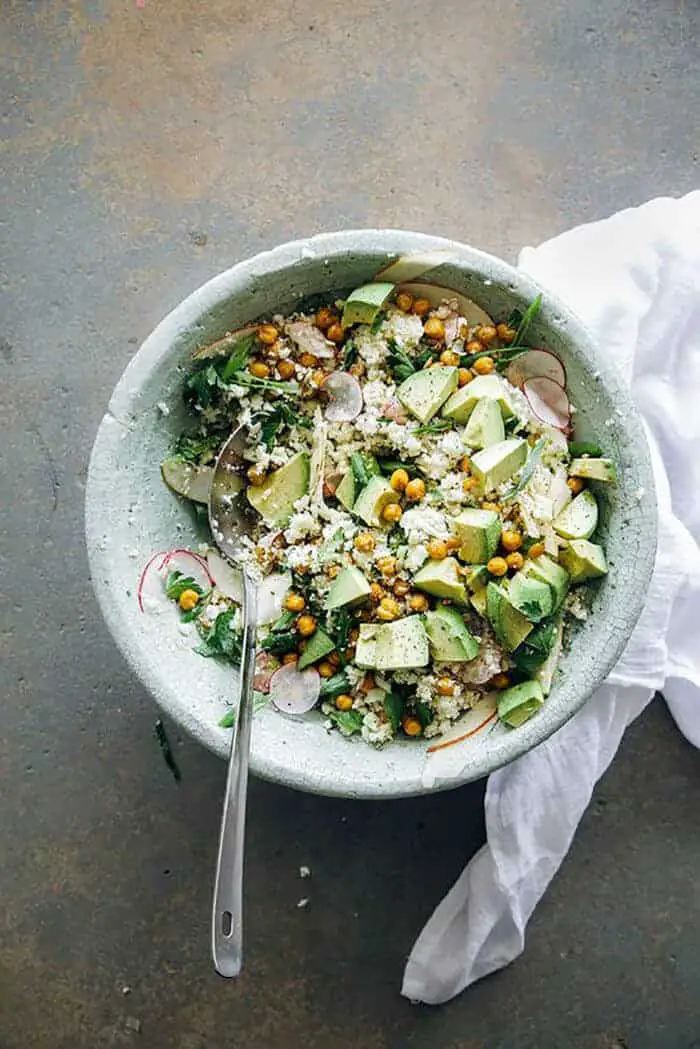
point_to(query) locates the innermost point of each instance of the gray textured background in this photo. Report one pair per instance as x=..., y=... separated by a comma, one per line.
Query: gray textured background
x=145, y=149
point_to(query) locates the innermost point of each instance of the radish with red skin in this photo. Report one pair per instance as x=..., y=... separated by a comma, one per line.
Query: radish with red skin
x=548, y=401
x=146, y=575
x=265, y=666
x=345, y=395
x=537, y=363
x=152, y=583
x=295, y=692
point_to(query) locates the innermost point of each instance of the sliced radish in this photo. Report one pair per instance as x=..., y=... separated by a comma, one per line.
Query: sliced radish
x=482, y=714
x=345, y=393
x=223, y=347
x=309, y=339
x=194, y=482
x=436, y=295
x=408, y=267
x=265, y=667
x=226, y=579
x=395, y=411
x=548, y=401
x=293, y=692
x=536, y=364
x=271, y=594
x=150, y=588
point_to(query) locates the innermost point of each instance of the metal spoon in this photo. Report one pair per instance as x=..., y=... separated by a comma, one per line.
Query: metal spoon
x=228, y=520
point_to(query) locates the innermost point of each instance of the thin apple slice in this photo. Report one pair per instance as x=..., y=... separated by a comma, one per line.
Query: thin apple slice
x=408, y=267
x=295, y=692
x=536, y=364
x=193, y=482
x=345, y=395
x=223, y=347
x=548, y=401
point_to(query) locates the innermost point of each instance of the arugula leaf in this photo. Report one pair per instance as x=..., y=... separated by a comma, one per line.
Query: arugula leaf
x=239, y=357
x=260, y=701
x=196, y=448
x=527, y=470
x=334, y=686
x=284, y=622
x=350, y=354
x=439, y=426
x=377, y=323
x=424, y=714
x=285, y=389
x=527, y=319
x=279, y=642
x=400, y=364
x=201, y=385
x=221, y=641
x=177, y=583
x=393, y=708
x=359, y=470
x=348, y=721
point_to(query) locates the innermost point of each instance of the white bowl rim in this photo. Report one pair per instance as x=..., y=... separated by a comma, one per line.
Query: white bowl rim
x=225, y=285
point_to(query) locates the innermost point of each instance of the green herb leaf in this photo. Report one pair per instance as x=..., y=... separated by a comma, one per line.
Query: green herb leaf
x=221, y=641
x=359, y=470
x=239, y=357
x=334, y=686
x=528, y=317
x=177, y=583
x=271, y=422
x=527, y=471
x=387, y=466
x=284, y=622
x=529, y=655
x=439, y=426
x=377, y=323
x=339, y=625
x=393, y=707
x=279, y=642
x=348, y=721
x=424, y=714
x=350, y=354
x=286, y=389
x=201, y=386
x=400, y=364
x=196, y=448
x=260, y=701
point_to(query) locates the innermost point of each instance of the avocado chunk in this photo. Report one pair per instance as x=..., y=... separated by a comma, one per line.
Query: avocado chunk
x=583, y=560
x=363, y=304
x=424, y=392
x=530, y=596
x=450, y=641
x=345, y=492
x=578, y=520
x=276, y=497
x=478, y=601
x=510, y=626
x=517, y=704
x=479, y=532
x=348, y=588
x=497, y=464
x=318, y=646
x=373, y=500
x=548, y=571
x=366, y=648
x=477, y=577
x=402, y=644
x=485, y=426
x=442, y=579
x=594, y=470
x=462, y=403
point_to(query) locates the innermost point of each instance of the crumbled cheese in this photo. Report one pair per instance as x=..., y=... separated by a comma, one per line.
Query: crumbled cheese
x=421, y=525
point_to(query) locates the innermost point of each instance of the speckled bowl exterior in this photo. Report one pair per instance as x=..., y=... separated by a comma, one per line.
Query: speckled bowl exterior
x=130, y=514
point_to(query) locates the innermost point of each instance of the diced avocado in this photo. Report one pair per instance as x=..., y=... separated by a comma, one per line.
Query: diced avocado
x=363, y=304
x=402, y=644
x=318, y=645
x=345, y=492
x=494, y=465
x=545, y=672
x=578, y=520
x=462, y=403
x=583, y=560
x=517, y=704
x=510, y=626
x=373, y=500
x=479, y=532
x=594, y=470
x=366, y=648
x=450, y=641
x=442, y=579
x=349, y=587
x=276, y=497
x=478, y=601
x=548, y=571
x=485, y=426
x=194, y=482
x=424, y=392
x=530, y=596
x=477, y=577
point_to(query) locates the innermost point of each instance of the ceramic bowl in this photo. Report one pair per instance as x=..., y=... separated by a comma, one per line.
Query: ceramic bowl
x=130, y=514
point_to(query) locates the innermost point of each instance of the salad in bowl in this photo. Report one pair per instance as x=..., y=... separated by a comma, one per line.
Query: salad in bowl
x=422, y=525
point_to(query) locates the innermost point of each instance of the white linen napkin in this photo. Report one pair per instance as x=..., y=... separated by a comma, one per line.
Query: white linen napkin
x=634, y=279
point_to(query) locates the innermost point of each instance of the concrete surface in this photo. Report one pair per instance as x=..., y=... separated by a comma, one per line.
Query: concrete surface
x=145, y=146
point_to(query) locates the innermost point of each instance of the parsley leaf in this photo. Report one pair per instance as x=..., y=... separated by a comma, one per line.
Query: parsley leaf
x=424, y=714
x=201, y=386
x=348, y=721
x=271, y=422
x=196, y=448
x=221, y=641
x=340, y=624
x=279, y=642
x=177, y=583
x=393, y=708
x=334, y=686
x=400, y=364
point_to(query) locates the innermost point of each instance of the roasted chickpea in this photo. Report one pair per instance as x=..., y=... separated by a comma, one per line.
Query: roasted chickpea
x=511, y=540
x=415, y=490
x=536, y=550
x=484, y=365
x=267, y=334
x=324, y=318
x=469, y=484
x=505, y=332
x=289, y=657
x=411, y=726
x=497, y=566
x=259, y=369
x=376, y=593
x=308, y=360
x=364, y=542
x=420, y=307
x=294, y=603
x=388, y=609
x=486, y=333
x=343, y=701
x=445, y=686
x=399, y=479
x=437, y=549
x=464, y=375
x=450, y=358
x=474, y=346
x=500, y=681
x=418, y=603
x=434, y=328
x=285, y=369
x=325, y=669
x=515, y=561
x=392, y=513
x=401, y=587
x=404, y=301
x=335, y=333
x=306, y=625
x=387, y=566
x=256, y=475
x=576, y=485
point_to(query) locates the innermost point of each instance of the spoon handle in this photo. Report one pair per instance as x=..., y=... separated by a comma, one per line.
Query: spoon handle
x=227, y=913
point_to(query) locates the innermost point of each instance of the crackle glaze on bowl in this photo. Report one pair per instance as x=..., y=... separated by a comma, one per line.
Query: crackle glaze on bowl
x=130, y=514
